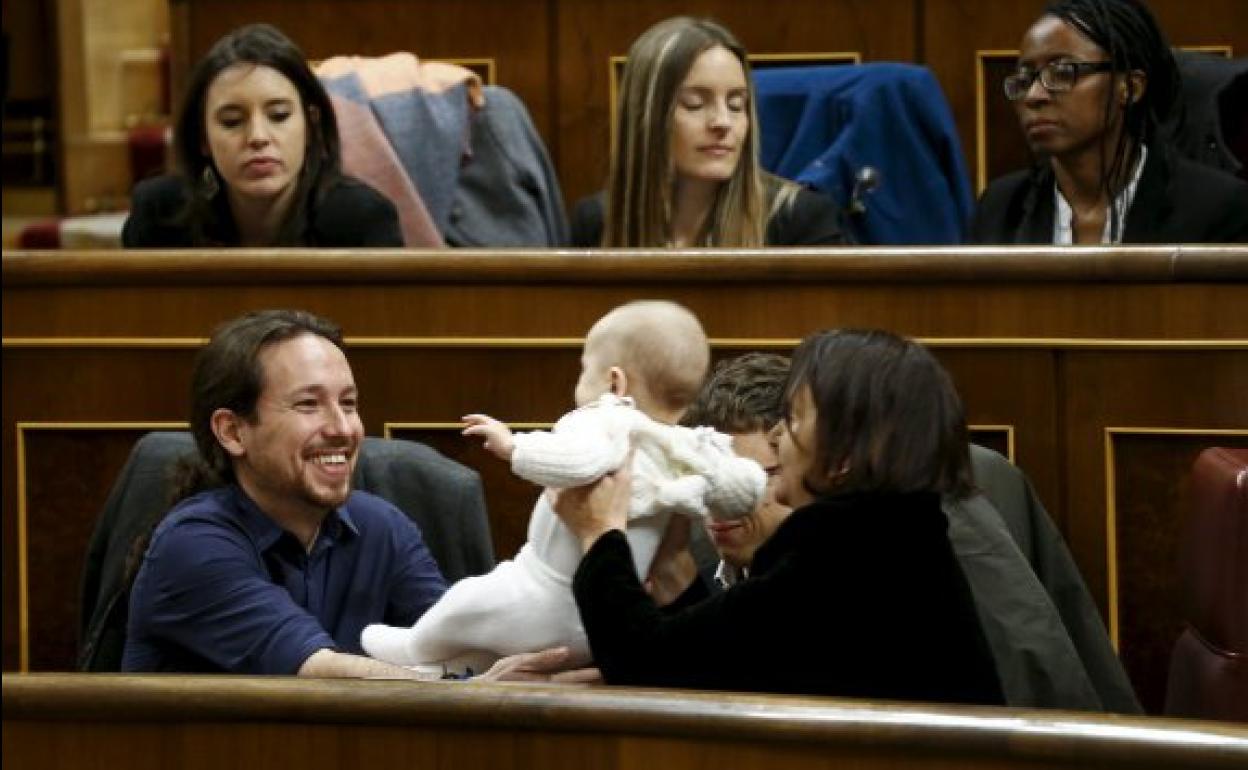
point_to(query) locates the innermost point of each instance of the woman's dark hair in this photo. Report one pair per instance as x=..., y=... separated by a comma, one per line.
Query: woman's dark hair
x=1128, y=34
x=260, y=45
x=228, y=375
x=889, y=418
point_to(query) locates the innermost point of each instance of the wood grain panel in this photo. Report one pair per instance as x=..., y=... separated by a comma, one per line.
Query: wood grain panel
x=1016, y=389
x=69, y=473
x=1059, y=344
x=1179, y=390
x=1141, y=293
x=515, y=34
x=1151, y=502
x=59, y=720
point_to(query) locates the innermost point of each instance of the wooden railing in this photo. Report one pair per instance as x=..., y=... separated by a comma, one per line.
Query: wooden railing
x=86, y=720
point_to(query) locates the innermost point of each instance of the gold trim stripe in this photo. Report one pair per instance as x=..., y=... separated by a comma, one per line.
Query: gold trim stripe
x=23, y=560
x=1008, y=430
x=23, y=567
x=1111, y=503
x=144, y=425
x=1074, y=343
x=981, y=113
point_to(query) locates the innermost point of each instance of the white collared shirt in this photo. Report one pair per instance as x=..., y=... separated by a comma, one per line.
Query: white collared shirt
x=726, y=575
x=1063, y=219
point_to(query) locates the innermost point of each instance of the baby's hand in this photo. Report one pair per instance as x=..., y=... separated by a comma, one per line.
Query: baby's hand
x=497, y=435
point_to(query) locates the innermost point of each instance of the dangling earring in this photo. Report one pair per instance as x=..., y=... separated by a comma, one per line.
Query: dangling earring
x=210, y=186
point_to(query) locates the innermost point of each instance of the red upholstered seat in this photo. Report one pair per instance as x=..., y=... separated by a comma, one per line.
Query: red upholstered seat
x=45, y=234
x=1209, y=666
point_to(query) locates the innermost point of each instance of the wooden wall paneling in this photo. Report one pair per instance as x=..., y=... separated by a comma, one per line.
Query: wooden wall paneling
x=590, y=32
x=1148, y=501
x=69, y=469
x=418, y=392
x=1020, y=394
x=1153, y=392
x=998, y=438
x=954, y=31
x=999, y=146
x=421, y=393
x=775, y=300
x=1219, y=24
x=107, y=342
x=516, y=35
x=74, y=387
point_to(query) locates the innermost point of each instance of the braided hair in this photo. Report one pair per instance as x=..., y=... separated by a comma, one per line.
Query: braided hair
x=1131, y=39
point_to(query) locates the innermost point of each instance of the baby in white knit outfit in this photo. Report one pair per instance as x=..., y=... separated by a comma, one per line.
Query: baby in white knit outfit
x=641, y=367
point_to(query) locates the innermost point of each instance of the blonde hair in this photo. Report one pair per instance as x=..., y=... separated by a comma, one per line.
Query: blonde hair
x=661, y=346
x=639, y=188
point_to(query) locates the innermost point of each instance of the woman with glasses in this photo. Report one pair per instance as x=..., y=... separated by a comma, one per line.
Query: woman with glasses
x=1095, y=81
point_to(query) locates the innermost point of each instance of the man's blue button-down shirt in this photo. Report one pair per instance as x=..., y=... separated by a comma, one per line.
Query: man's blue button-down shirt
x=224, y=588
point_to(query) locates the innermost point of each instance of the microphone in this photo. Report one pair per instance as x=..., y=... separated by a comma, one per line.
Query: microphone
x=866, y=181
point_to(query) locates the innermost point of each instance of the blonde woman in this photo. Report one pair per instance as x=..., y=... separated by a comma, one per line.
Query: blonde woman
x=684, y=163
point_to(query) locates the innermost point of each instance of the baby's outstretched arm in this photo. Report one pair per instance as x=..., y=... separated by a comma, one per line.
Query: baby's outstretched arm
x=498, y=440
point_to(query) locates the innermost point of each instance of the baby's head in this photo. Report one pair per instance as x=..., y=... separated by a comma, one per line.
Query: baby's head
x=652, y=350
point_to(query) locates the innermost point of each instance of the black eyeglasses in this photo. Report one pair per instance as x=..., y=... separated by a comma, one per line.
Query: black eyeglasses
x=1056, y=77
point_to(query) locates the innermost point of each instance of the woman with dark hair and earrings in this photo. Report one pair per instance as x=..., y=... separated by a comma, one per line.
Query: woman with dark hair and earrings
x=1095, y=81
x=258, y=160
x=857, y=592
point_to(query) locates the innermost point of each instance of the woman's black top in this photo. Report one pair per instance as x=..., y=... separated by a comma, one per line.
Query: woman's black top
x=856, y=595
x=811, y=219
x=350, y=214
x=1176, y=201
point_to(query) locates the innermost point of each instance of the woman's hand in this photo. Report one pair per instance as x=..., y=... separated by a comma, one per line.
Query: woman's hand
x=673, y=568
x=596, y=508
x=549, y=666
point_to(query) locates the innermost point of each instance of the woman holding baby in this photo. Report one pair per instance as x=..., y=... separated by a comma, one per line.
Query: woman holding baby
x=858, y=592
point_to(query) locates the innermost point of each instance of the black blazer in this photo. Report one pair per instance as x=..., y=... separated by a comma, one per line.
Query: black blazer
x=1177, y=201
x=857, y=596
x=812, y=219
x=350, y=215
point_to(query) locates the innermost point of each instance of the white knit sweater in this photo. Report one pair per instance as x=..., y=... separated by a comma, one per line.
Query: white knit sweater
x=526, y=604
x=675, y=470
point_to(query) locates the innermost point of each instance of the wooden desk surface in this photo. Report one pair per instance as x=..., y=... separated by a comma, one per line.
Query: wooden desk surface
x=172, y=719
